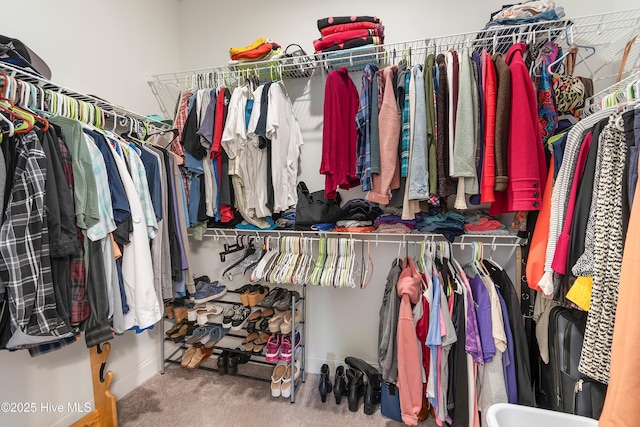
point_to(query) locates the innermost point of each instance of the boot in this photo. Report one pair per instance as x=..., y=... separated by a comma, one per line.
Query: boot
x=325, y=383
x=236, y=359
x=340, y=387
x=356, y=388
x=373, y=389
x=222, y=362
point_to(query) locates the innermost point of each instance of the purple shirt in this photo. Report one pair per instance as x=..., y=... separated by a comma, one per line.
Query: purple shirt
x=508, y=359
x=483, y=315
x=472, y=338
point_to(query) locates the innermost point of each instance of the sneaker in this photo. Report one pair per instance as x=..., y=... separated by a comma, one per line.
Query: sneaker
x=210, y=292
x=273, y=348
x=227, y=315
x=286, y=348
x=240, y=318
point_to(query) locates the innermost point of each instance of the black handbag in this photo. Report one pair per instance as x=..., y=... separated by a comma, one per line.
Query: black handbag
x=314, y=208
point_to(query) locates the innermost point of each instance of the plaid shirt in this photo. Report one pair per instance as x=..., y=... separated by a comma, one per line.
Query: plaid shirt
x=78, y=274
x=363, y=124
x=406, y=130
x=179, y=122
x=25, y=266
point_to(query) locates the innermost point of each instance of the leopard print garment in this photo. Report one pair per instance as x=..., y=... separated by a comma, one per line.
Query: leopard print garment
x=608, y=245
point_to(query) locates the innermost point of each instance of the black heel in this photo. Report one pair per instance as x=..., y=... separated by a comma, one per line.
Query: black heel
x=324, y=387
x=340, y=386
x=356, y=388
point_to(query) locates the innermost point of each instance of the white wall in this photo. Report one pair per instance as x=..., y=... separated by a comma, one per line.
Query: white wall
x=103, y=48
x=341, y=322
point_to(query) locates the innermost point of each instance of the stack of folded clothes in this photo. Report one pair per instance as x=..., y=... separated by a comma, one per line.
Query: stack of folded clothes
x=359, y=215
x=390, y=223
x=480, y=222
x=262, y=49
x=450, y=224
x=348, y=32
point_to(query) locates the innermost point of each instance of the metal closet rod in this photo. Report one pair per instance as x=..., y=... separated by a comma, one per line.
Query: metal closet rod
x=464, y=240
x=15, y=72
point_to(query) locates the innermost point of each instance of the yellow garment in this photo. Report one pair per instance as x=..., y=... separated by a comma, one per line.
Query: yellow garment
x=239, y=50
x=580, y=292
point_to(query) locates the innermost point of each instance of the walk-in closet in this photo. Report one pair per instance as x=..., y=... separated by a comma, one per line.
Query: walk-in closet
x=328, y=214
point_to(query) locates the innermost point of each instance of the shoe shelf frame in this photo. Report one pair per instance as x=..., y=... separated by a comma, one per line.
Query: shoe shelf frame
x=298, y=353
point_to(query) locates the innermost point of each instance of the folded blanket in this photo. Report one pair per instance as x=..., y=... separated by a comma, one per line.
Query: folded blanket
x=326, y=22
x=256, y=53
x=363, y=41
x=339, y=28
x=333, y=39
x=239, y=50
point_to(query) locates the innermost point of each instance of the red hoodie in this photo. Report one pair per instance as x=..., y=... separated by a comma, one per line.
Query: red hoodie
x=525, y=155
x=409, y=363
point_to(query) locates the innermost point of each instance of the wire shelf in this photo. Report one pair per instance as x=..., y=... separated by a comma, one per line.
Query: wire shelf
x=46, y=85
x=608, y=33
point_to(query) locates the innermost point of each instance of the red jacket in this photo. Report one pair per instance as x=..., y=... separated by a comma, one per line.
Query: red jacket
x=525, y=155
x=339, y=133
x=489, y=163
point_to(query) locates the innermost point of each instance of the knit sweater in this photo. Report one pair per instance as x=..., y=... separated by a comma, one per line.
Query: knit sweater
x=389, y=136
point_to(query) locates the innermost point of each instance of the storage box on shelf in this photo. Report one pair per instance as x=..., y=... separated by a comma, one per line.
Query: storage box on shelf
x=231, y=342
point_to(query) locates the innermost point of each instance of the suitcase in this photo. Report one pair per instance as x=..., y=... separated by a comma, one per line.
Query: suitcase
x=562, y=387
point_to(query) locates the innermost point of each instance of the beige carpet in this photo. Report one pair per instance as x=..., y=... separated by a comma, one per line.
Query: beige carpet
x=196, y=398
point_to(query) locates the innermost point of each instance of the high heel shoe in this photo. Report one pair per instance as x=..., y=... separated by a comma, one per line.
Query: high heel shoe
x=340, y=386
x=356, y=388
x=325, y=383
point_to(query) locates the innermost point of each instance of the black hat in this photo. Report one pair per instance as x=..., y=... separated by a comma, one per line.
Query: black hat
x=14, y=52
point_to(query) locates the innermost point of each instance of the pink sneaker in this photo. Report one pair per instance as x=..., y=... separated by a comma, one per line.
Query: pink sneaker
x=285, y=347
x=273, y=348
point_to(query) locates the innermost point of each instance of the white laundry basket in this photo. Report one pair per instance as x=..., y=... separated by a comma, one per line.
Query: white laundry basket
x=508, y=415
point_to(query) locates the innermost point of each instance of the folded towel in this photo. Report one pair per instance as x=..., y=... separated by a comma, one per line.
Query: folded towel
x=350, y=44
x=238, y=50
x=327, y=22
x=339, y=28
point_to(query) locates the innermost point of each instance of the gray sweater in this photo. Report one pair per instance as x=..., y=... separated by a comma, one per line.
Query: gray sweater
x=387, y=355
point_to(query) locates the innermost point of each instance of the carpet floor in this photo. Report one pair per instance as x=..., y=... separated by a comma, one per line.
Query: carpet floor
x=183, y=397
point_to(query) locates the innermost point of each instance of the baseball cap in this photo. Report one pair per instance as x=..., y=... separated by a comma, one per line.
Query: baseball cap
x=14, y=52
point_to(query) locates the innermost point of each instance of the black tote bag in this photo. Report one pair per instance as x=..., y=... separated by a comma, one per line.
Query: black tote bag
x=314, y=208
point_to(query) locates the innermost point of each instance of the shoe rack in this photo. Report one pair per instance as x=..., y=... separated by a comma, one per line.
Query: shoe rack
x=231, y=342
